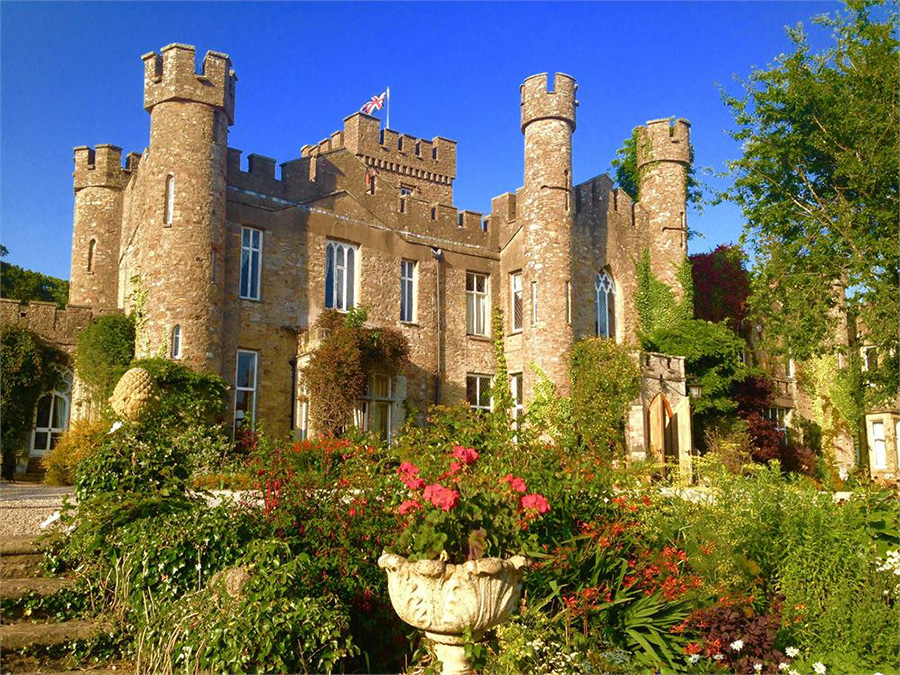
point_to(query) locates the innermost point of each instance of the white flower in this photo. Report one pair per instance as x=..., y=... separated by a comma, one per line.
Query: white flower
x=757, y=667
x=877, y=673
x=819, y=667
x=783, y=666
x=793, y=652
x=718, y=657
x=693, y=658
x=737, y=645
x=793, y=672
x=843, y=473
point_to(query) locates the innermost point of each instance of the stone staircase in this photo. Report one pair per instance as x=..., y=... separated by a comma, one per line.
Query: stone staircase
x=20, y=575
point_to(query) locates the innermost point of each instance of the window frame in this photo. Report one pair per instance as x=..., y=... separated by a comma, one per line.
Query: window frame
x=350, y=286
x=476, y=300
x=516, y=319
x=169, y=205
x=517, y=392
x=256, y=292
x=609, y=295
x=254, y=389
x=177, y=342
x=874, y=445
x=479, y=379
x=52, y=432
x=408, y=290
x=369, y=400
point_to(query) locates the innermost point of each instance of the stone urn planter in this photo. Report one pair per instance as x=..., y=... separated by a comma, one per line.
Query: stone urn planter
x=444, y=599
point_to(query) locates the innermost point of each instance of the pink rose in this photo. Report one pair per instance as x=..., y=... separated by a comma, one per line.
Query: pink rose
x=443, y=498
x=465, y=455
x=535, y=502
x=516, y=484
x=409, y=505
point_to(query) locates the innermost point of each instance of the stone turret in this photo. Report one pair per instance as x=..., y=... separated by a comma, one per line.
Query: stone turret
x=99, y=182
x=548, y=122
x=183, y=179
x=663, y=158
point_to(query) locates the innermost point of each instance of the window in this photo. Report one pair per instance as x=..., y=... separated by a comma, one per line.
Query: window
x=515, y=302
x=606, y=305
x=777, y=415
x=407, y=291
x=478, y=392
x=376, y=406
x=534, y=303
x=340, y=276
x=170, y=200
x=517, y=389
x=879, y=450
x=302, y=407
x=791, y=373
x=251, y=261
x=406, y=190
x=176, y=342
x=476, y=303
x=92, y=247
x=51, y=417
x=870, y=359
x=569, y=302
x=245, y=388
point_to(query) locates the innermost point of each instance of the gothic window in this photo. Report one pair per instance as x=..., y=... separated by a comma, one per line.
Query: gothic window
x=245, y=383
x=176, y=342
x=251, y=262
x=92, y=248
x=478, y=392
x=340, y=275
x=605, y=291
x=51, y=416
x=170, y=199
x=476, y=303
x=407, y=291
x=515, y=302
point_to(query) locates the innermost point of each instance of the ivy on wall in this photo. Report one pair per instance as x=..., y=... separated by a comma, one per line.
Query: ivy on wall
x=657, y=307
x=837, y=407
x=30, y=367
x=104, y=350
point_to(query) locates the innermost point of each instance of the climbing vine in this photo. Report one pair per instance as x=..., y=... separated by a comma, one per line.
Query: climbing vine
x=339, y=369
x=656, y=305
x=30, y=367
x=104, y=349
x=834, y=393
x=503, y=402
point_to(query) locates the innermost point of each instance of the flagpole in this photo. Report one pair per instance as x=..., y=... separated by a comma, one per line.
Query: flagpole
x=387, y=124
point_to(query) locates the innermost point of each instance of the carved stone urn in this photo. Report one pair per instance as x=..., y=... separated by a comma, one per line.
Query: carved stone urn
x=444, y=600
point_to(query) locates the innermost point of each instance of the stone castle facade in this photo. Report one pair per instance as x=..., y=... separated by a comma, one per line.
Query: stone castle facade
x=231, y=267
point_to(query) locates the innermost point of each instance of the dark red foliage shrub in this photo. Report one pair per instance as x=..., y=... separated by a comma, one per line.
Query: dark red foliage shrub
x=722, y=625
x=753, y=394
x=799, y=458
x=765, y=438
x=721, y=285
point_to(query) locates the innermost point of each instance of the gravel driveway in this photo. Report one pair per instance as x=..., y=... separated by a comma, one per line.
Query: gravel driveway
x=24, y=506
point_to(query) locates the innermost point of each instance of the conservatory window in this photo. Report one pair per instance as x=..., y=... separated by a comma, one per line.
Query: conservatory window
x=340, y=275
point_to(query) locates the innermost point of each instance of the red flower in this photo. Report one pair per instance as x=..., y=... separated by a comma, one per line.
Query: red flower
x=516, y=484
x=693, y=648
x=413, y=483
x=535, y=502
x=443, y=498
x=407, y=469
x=465, y=455
x=409, y=505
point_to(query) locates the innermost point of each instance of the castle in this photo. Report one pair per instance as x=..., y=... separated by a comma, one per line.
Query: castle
x=231, y=267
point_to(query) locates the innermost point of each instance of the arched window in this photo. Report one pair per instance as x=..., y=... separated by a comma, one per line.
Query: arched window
x=92, y=247
x=176, y=342
x=606, y=305
x=51, y=416
x=170, y=199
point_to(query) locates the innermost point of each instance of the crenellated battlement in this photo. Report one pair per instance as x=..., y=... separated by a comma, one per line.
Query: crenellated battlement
x=540, y=102
x=664, y=140
x=172, y=75
x=100, y=167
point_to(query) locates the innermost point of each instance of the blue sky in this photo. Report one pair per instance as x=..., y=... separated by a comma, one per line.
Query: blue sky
x=72, y=75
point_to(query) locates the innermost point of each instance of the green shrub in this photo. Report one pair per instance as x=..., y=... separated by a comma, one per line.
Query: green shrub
x=78, y=442
x=186, y=396
x=103, y=351
x=29, y=368
x=280, y=621
x=605, y=380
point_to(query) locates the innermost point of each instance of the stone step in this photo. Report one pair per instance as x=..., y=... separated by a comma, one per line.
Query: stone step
x=21, y=635
x=13, y=589
x=21, y=566
x=17, y=545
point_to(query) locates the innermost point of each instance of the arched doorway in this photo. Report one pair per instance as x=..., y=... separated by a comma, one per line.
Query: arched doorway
x=51, y=416
x=663, y=430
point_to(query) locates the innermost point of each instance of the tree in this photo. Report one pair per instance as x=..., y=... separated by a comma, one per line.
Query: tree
x=817, y=183
x=721, y=285
x=17, y=283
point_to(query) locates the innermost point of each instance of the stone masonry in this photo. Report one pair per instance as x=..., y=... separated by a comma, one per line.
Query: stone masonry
x=165, y=234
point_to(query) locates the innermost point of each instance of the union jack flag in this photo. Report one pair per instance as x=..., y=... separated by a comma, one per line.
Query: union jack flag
x=374, y=103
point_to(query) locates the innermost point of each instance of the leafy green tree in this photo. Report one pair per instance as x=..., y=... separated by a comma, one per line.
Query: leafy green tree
x=817, y=182
x=17, y=283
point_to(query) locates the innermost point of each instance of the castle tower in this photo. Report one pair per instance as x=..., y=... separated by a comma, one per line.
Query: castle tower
x=183, y=178
x=99, y=183
x=663, y=158
x=548, y=121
